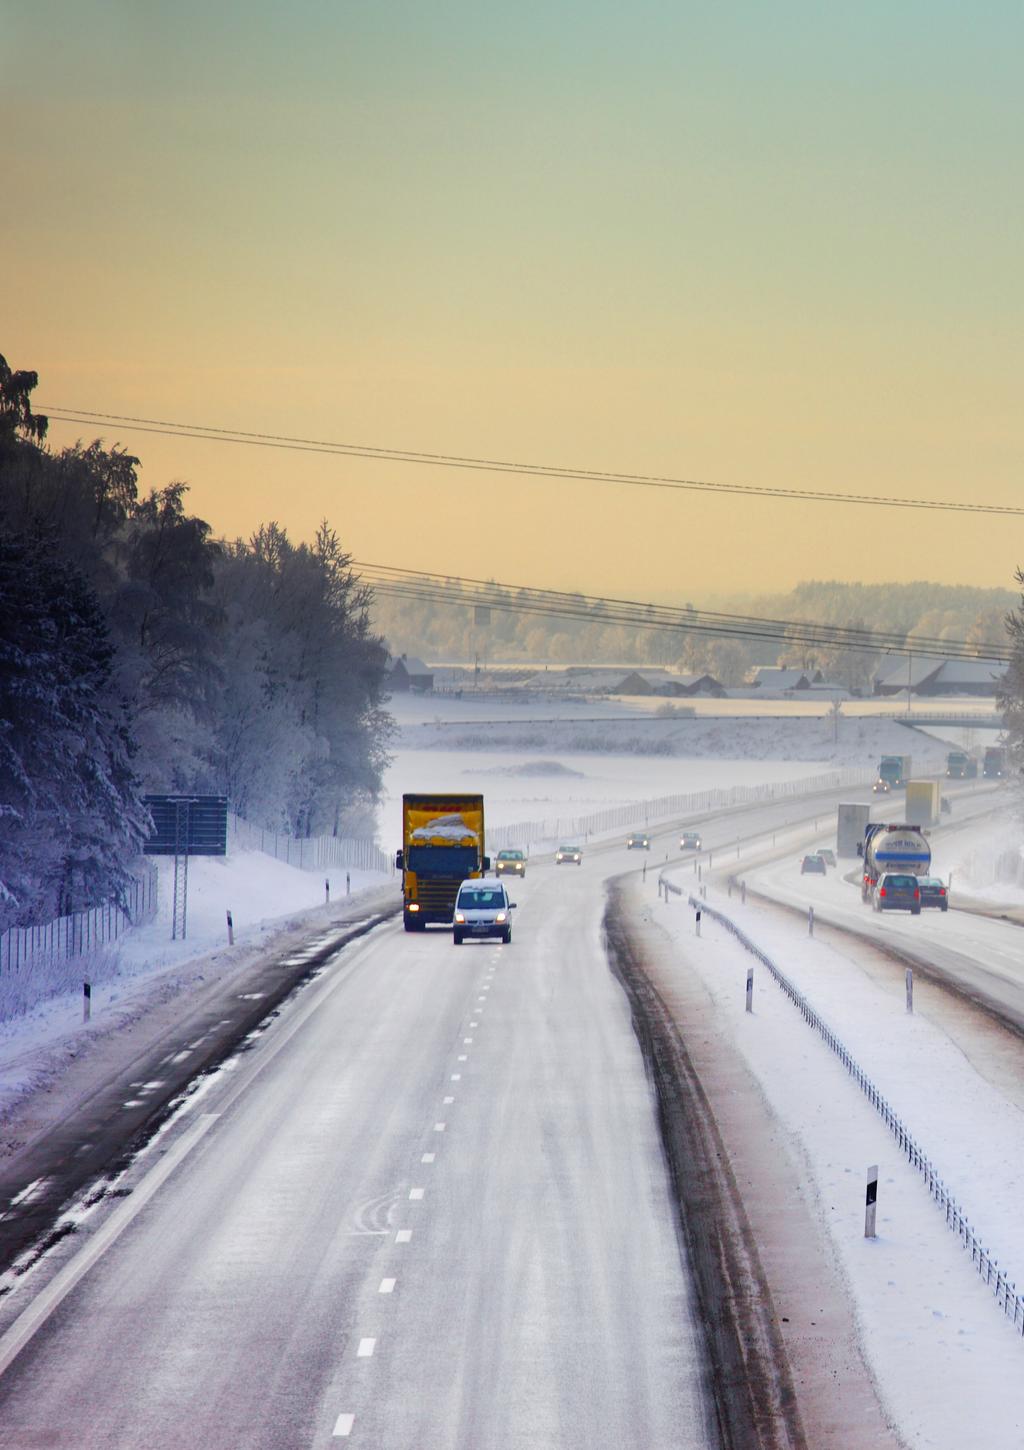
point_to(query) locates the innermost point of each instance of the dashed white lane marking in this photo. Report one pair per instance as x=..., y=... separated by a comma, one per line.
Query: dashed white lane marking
x=428, y=1158
x=439, y=1127
x=461, y=1058
x=474, y=1024
x=456, y=1076
x=449, y=1100
x=416, y=1194
x=343, y=1426
x=179, y=1056
x=133, y=1103
x=366, y=1348
x=403, y=1236
x=466, y=1041
x=387, y=1286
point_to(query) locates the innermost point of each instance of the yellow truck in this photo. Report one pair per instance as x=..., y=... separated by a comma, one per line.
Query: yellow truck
x=924, y=802
x=442, y=845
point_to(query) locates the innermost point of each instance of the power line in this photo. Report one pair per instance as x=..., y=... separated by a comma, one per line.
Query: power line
x=213, y=434
x=454, y=592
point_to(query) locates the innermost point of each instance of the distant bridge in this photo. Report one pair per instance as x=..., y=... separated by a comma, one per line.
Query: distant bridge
x=991, y=720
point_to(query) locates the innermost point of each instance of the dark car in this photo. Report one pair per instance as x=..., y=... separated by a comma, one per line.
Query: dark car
x=510, y=863
x=933, y=892
x=896, y=892
x=813, y=866
x=638, y=841
x=568, y=853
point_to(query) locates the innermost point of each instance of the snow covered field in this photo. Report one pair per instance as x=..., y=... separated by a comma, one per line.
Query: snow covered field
x=947, y=1361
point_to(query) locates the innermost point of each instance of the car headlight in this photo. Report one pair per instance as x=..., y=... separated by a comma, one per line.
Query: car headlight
x=460, y=918
x=500, y=916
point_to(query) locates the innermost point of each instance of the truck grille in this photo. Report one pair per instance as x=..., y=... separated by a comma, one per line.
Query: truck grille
x=437, y=895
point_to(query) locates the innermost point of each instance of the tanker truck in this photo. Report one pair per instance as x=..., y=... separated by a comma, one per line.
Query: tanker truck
x=901, y=847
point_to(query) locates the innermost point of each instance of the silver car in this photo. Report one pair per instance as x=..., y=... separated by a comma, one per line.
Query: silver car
x=482, y=909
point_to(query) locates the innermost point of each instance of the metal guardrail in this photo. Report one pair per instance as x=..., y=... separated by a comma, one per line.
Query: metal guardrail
x=1005, y=1291
x=310, y=853
x=23, y=948
x=669, y=807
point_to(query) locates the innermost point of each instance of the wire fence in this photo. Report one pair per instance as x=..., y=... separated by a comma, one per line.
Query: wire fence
x=310, y=853
x=24, y=948
x=641, y=813
x=1004, y=1289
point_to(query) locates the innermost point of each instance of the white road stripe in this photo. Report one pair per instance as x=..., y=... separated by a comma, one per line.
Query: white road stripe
x=366, y=1348
x=456, y=1077
x=416, y=1194
x=403, y=1236
x=427, y=1158
x=461, y=1058
x=387, y=1286
x=439, y=1127
x=43, y=1305
x=343, y=1426
x=466, y=1041
x=449, y=1100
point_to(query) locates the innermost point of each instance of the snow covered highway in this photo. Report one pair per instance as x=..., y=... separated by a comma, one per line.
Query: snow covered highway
x=429, y=1207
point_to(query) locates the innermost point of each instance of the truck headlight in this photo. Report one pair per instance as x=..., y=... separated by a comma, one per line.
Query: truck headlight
x=414, y=906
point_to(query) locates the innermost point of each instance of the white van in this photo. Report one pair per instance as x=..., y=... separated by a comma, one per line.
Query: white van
x=482, y=908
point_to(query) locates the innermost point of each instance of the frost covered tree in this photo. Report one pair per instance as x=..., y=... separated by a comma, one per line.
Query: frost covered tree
x=1011, y=696
x=70, y=816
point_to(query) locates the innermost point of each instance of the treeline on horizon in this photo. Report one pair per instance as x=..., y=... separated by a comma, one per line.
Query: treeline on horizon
x=915, y=610
x=139, y=654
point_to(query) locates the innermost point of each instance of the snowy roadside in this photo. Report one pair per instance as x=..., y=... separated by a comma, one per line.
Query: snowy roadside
x=273, y=905
x=946, y=1360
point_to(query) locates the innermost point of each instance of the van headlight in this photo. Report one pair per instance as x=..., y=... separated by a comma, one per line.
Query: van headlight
x=460, y=918
x=500, y=916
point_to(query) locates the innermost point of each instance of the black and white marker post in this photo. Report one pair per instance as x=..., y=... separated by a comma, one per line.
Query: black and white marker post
x=698, y=921
x=86, y=1001
x=870, y=1199
x=750, y=989
x=231, y=929
x=910, y=990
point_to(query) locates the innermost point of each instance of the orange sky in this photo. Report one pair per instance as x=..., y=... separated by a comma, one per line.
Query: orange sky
x=773, y=249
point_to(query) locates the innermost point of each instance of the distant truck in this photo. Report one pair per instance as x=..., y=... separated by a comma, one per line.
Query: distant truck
x=961, y=766
x=901, y=847
x=924, y=802
x=851, y=819
x=894, y=769
x=994, y=765
x=442, y=846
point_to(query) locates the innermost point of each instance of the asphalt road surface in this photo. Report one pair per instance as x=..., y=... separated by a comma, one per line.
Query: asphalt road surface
x=428, y=1207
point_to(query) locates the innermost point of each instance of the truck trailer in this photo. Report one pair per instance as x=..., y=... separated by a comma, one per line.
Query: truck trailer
x=851, y=819
x=442, y=846
x=900, y=847
x=924, y=802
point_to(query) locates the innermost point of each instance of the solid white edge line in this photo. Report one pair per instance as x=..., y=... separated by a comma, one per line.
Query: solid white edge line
x=35, y=1315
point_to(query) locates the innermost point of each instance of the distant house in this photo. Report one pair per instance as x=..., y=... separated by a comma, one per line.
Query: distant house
x=771, y=678
x=695, y=685
x=409, y=673
x=932, y=675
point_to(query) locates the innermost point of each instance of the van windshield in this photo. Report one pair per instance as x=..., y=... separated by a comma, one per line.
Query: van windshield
x=481, y=899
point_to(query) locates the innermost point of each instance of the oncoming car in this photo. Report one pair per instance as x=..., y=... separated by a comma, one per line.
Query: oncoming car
x=510, y=863
x=690, y=841
x=482, y=908
x=568, y=853
x=881, y=787
x=813, y=865
x=638, y=841
x=895, y=891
